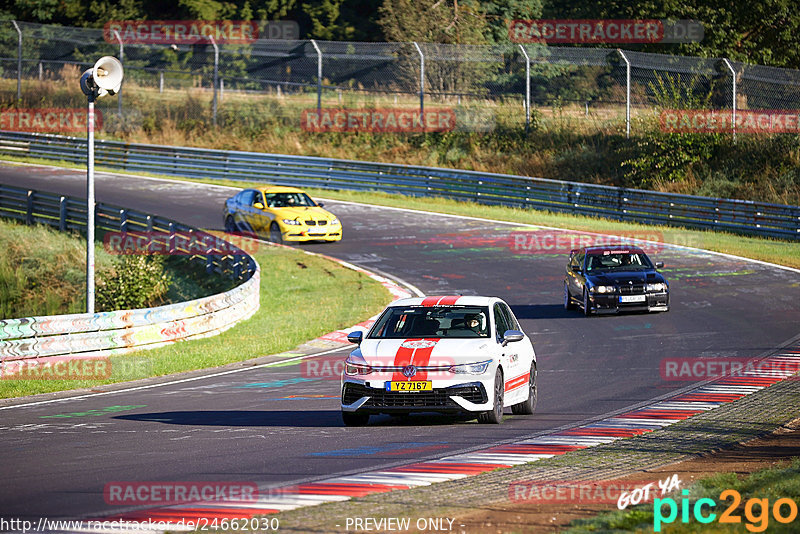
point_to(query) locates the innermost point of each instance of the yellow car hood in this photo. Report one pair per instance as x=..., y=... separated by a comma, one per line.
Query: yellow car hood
x=303, y=213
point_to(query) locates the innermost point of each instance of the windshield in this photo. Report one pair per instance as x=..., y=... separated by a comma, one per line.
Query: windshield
x=432, y=322
x=287, y=200
x=618, y=261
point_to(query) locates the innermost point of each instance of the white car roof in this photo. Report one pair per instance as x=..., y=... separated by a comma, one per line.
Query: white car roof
x=446, y=300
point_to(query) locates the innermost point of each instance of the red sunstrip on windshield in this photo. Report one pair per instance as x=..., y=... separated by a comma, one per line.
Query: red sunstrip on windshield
x=441, y=301
x=415, y=352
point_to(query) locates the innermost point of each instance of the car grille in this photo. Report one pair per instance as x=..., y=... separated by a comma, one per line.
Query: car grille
x=311, y=223
x=628, y=289
x=380, y=398
x=322, y=223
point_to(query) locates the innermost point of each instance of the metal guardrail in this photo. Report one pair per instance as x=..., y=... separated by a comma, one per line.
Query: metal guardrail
x=106, y=333
x=647, y=207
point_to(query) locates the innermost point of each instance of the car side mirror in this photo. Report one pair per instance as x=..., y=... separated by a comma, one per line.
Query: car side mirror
x=320, y=204
x=576, y=268
x=258, y=206
x=355, y=337
x=659, y=265
x=511, y=336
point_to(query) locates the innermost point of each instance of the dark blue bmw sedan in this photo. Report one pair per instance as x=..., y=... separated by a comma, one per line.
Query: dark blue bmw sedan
x=613, y=279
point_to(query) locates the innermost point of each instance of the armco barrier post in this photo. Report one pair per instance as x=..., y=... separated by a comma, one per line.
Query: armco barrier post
x=62, y=214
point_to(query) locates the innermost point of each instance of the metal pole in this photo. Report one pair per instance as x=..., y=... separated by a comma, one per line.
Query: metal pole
x=421, y=84
x=161, y=81
x=216, y=80
x=121, y=60
x=733, y=73
x=319, y=78
x=627, y=94
x=90, y=208
x=19, y=61
x=221, y=89
x=527, y=88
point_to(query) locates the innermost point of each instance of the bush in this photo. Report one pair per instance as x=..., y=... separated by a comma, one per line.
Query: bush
x=132, y=282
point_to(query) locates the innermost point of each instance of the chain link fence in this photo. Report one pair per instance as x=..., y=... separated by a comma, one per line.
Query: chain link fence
x=269, y=82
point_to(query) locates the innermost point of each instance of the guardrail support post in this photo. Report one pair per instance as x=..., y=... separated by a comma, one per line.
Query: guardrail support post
x=627, y=93
x=733, y=94
x=527, y=88
x=62, y=214
x=123, y=221
x=19, y=61
x=121, y=60
x=319, y=78
x=171, y=245
x=421, y=85
x=29, y=209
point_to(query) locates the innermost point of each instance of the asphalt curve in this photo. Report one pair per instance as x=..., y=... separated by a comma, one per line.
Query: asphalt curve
x=275, y=426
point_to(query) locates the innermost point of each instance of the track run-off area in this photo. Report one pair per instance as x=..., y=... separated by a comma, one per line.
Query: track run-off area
x=277, y=426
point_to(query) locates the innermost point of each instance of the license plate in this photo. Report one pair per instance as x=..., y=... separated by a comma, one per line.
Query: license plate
x=412, y=385
x=632, y=298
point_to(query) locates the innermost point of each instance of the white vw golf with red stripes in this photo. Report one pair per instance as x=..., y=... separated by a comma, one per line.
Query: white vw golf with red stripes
x=452, y=354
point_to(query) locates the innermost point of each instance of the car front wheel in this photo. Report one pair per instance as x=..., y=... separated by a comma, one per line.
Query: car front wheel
x=586, y=309
x=495, y=415
x=275, y=233
x=230, y=225
x=568, y=305
x=527, y=406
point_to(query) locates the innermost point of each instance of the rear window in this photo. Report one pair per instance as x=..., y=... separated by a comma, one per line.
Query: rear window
x=431, y=322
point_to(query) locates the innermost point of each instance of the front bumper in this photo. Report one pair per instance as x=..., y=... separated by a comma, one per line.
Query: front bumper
x=610, y=303
x=446, y=397
x=311, y=233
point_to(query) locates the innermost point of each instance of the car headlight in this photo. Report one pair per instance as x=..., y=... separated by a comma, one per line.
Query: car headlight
x=603, y=289
x=470, y=368
x=353, y=369
x=655, y=288
x=335, y=222
x=291, y=222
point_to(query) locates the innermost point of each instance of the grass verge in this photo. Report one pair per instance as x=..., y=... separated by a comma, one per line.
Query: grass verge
x=293, y=284
x=776, y=251
x=755, y=511
x=43, y=272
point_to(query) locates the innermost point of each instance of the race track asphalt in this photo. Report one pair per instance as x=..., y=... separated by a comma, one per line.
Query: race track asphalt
x=274, y=426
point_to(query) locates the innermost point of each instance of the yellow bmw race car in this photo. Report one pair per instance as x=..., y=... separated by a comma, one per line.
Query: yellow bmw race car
x=280, y=214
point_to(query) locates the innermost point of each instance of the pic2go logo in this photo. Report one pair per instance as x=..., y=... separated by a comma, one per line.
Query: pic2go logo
x=756, y=511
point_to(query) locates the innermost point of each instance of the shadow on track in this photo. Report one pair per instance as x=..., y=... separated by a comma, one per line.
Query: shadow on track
x=289, y=418
x=544, y=311
x=265, y=418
